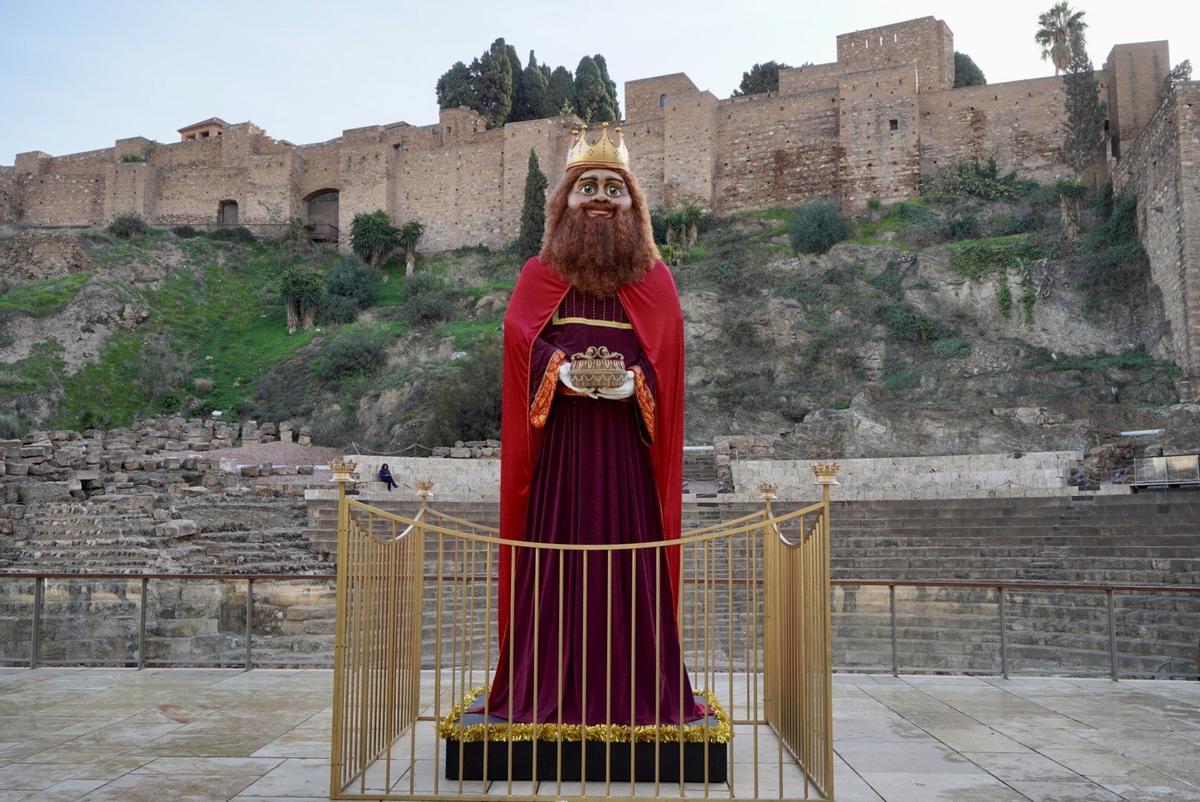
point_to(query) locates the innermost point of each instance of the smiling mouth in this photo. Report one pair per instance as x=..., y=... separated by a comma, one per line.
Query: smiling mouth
x=600, y=211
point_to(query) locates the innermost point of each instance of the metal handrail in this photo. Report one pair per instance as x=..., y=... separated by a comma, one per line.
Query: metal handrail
x=1110, y=589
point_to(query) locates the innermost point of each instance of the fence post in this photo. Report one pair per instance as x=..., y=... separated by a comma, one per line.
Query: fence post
x=142, y=626
x=1003, y=641
x=35, y=635
x=249, y=621
x=1112, y=634
x=343, y=470
x=892, y=609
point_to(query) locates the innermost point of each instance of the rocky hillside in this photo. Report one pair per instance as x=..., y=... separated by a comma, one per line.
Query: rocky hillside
x=942, y=326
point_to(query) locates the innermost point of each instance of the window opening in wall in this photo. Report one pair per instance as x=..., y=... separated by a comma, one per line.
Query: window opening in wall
x=662, y=101
x=227, y=213
x=894, y=125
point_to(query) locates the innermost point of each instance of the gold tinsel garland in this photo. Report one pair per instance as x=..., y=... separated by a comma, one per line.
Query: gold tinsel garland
x=449, y=727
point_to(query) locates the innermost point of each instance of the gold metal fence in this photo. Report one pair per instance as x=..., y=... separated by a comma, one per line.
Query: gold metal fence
x=416, y=653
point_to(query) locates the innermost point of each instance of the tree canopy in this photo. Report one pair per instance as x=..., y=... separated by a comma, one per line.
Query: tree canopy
x=1083, y=135
x=966, y=71
x=496, y=85
x=1060, y=34
x=761, y=78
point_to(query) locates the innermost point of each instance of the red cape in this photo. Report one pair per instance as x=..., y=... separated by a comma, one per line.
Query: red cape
x=652, y=305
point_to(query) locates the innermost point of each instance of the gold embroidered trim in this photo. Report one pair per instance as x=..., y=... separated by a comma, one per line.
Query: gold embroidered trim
x=449, y=727
x=587, y=321
x=645, y=399
x=539, y=410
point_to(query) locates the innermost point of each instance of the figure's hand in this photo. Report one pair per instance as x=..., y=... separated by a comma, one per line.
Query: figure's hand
x=564, y=376
x=619, y=393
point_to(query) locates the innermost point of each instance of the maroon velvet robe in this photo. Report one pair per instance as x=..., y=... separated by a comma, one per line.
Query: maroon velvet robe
x=593, y=482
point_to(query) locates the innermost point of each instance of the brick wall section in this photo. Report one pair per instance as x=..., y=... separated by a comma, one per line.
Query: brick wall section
x=776, y=149
x=1139, y=70
x=879, y=136
x=1162, y=168
x=690, y=149
x=926, y=43
x=643, y=98
x=827, y=132
x=811, y=78
x=1019, y=124
x=8, y=194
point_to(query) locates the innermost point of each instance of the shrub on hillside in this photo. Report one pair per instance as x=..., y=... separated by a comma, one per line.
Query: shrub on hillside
x=128, y=226
x=355, y=350
x=816, y=226
x=975, y=179
x=962, y=226
x=353, y=280
x=233, y=234
x=184, y=232
x=339, y=309
x=907, y=323
x=1115, y=267
x=464, y=401
x=425, y=298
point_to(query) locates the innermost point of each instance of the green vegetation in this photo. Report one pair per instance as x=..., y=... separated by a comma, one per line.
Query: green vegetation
x=44, y=297
x=952, y=347
x=130, y=158
x=128, y=226
x=906, y=323
x=1004, y=298
x=533, y=210
x=967, y=72
x=354, y=350
x=974, y=179
x=1060, y=33
x=816, y=226
x=1114, y=266
x=1083, y=131
x=373, y=238
x=761, y=78
x=981, y=257
x=502, y=91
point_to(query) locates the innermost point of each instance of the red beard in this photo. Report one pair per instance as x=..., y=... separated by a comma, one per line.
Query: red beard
x=597, y=255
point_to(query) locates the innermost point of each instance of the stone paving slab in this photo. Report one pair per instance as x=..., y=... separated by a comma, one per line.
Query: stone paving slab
x=160, y=734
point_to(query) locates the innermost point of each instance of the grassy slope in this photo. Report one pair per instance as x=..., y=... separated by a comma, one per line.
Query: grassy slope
x=216, y=335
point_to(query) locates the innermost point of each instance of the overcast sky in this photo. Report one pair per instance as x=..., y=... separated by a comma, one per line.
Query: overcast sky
x=78, y=75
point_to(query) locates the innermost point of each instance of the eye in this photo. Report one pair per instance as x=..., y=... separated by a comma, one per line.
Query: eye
x=613, y=191
x=587, y=188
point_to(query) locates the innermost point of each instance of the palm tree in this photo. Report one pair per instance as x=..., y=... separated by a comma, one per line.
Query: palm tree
x=409, y=236
x=301, y=291
x=1061, y=34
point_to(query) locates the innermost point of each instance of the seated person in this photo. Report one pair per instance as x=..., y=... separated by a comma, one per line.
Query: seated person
x=386, y=476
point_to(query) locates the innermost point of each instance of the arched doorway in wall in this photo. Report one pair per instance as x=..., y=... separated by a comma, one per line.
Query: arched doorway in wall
x=227, y=213
x=322, y=214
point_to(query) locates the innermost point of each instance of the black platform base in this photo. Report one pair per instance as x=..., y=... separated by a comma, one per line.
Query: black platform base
x=604, y=760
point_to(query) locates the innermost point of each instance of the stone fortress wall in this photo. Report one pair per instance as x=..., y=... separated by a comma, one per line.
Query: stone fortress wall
x=866, y=126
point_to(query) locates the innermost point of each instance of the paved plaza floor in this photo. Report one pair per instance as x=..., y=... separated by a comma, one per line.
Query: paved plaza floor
x=180, y=734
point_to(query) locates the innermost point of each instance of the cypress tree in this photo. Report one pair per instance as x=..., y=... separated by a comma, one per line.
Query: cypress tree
x=520, y=105
x=966, y=71
x=1083, y=133
x=455, y=87
x=610, y=87
x=533, y=88
x=533, y=211
x=591, y=93
x=560, y=93
x=761, y=78
x=493, y=84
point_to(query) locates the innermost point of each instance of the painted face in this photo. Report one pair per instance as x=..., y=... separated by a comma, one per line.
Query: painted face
x=601, y=193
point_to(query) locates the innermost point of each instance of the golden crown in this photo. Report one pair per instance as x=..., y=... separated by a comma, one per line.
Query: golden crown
x=342, y=466
x=604, y=153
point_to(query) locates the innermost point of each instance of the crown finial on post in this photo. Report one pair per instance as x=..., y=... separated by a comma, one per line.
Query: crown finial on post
x=826, y=472
x=768, y=491
x=343, y=469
